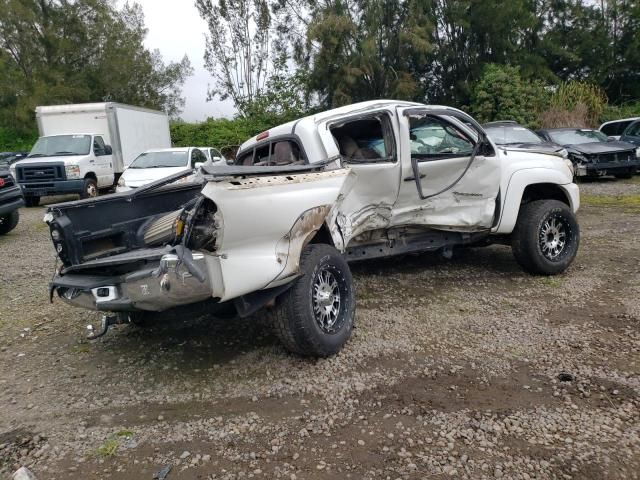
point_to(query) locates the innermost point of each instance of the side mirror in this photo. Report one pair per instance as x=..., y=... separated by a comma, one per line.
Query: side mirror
x=230, y=162
x=611, y=139
x=108, y=150
x=198, y=165
x=216, y=159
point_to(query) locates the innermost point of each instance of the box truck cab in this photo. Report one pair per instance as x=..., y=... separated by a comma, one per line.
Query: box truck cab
x=85, y=148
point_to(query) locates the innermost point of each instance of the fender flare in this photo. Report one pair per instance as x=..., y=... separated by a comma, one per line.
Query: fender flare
x=516, y=186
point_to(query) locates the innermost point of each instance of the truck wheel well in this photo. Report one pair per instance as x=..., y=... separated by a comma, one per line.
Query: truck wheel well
x=322, y=236
x=92, y=176
x=544, y=191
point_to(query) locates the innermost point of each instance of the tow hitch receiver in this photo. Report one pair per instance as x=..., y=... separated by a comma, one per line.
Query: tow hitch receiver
x=107, y=321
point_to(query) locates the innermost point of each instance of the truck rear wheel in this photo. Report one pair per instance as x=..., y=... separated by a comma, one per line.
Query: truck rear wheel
x=89, y=189
x=32, y=201
x=546, y=237
x=9, y=221
x=315, y=317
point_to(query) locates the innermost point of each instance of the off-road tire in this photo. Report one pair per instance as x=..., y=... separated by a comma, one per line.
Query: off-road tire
x=9, y=221
x=32, y=201
x=90, y=185
x=294, y=319
x=527, y=237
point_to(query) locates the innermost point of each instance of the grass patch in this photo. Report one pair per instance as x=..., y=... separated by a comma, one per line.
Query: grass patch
x=634, y=180
x=626, y=202
x=553, y=282
x=110, y=446
x=517, y=353
x=41, y=226
x=81, y=348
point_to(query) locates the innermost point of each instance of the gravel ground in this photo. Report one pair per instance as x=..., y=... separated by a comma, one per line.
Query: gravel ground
x=464, y=368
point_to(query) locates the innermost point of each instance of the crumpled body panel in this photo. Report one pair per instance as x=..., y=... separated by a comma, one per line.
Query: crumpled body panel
x=264, y=226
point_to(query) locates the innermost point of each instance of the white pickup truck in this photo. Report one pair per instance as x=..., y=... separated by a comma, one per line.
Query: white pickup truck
x=85, y=147
x=278, y=229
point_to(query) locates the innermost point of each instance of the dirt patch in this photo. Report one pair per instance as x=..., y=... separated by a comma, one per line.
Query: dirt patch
x=468, y=389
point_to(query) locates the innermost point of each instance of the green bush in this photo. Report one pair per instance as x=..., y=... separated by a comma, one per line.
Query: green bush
x=574, y=95
x=616, y=112
x=502, y=94
x=13, y=140
x=223, y=133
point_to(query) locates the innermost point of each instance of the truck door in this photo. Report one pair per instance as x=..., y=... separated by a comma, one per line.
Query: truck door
x=450, y=172
x=103, y=162
x=367, y=145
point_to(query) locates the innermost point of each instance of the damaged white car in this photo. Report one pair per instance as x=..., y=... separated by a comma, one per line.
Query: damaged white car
x=279, y=228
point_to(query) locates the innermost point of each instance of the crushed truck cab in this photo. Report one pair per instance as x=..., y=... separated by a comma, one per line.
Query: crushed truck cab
x=278, y=228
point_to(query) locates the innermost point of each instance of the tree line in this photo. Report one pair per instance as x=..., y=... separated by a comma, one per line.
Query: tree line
x=435, y=51
x=75, y=51
x=536, y=61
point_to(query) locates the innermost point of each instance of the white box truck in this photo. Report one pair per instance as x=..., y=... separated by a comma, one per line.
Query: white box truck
x=85, y=147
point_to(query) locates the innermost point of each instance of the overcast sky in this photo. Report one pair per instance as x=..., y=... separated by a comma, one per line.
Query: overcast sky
x=176, y=29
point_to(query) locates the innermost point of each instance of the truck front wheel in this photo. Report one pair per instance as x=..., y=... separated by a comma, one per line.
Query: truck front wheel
x=315, y=316
x=9, y=221
x=90, y=188
x=546, y=237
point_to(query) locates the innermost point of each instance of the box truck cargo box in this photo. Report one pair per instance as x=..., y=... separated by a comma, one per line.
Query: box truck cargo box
x=85, y=147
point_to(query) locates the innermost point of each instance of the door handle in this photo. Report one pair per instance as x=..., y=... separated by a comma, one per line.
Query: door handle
x=411, y=179
x=91, y=161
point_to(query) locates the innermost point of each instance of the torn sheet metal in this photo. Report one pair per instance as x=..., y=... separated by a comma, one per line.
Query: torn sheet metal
x=369, y=217
x=368, y=204
x=289, y=248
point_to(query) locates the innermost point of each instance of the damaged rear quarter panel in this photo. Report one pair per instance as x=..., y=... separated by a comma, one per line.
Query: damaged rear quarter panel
x=257, y=214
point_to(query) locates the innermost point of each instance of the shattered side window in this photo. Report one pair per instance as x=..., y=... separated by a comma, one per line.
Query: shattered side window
x=365, y=140
x=431, y=137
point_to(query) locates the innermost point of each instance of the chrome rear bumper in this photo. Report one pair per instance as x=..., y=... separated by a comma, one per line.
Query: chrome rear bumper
x=168, y=284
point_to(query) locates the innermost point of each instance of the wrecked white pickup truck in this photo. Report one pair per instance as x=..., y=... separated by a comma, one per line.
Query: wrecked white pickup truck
x=278, y=228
